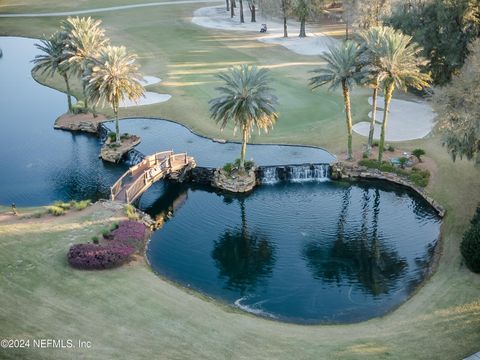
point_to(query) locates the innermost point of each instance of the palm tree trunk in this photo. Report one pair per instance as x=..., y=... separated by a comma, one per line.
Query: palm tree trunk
x=117, y=125
x=348, y=116
x=84, y=86
x=242, y=20
x=228, y=5
x=284, y=11
x=232, y=8
x=253, y=10
x=69, y=97
x=374, y=116
x=302, y=28
x=388, y=97
x=244, y=148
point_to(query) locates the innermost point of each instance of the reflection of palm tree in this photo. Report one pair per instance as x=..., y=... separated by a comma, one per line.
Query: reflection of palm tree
x=352, y=257
x=242, y=257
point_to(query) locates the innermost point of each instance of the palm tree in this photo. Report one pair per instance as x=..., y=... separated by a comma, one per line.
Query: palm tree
x=400, y=65
x=370, y=41
x=53, y=60
x=246, y=100
x=85, y=40
x=114, y=78
x=340, y=70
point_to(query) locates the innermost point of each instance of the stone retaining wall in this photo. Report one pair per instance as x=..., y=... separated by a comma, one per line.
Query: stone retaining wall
x=354, y=171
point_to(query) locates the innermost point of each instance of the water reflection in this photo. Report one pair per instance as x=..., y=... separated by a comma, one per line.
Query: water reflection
x=243, y=257
x=358, y=257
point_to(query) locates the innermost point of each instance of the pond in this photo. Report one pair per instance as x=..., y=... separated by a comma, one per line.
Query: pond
x=306, y=252
x=312, y=252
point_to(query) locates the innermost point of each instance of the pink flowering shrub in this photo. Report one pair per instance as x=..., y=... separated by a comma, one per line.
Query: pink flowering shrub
x=131, y=233
x=93, y=256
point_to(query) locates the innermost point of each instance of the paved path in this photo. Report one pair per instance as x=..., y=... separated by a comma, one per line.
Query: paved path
x=473, y=357
x=113, y=8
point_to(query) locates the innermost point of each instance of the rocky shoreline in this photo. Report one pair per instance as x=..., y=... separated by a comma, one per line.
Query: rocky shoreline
x=347, y=171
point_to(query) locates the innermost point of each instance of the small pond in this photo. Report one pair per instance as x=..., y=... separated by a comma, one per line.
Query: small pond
x=311, y=252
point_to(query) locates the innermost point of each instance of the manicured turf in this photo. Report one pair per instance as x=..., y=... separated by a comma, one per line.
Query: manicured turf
x=131, y=313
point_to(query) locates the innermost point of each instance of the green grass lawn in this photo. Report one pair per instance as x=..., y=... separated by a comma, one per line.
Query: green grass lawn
x=131, y=313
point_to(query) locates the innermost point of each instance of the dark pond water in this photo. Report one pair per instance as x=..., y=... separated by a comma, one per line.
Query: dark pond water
x=298, y=252
x=41, y=165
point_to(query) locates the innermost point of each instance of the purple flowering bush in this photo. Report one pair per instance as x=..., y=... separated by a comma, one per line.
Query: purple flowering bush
x=93, y=256
x=130, y=233
x=117, y=248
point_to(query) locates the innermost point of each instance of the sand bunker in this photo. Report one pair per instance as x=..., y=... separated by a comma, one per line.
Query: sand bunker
x=150, y=80
x=150, y=96
x=149, y=99
x=408, y=120
x=216, y=17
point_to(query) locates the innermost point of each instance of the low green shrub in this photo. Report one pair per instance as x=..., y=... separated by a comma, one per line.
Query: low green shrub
x=80, y=205
x=470, y=246
x=79, y=108
x=112, y=136
x=63, y=205
x=95, y=239
x=131, y=212
x=248, y=164
x=403, y=161
x=228, y=167
x=419, y=177
x=391, y=148
x=55, y=210
x=375, y=143
x=416, y=176
x=114, y=226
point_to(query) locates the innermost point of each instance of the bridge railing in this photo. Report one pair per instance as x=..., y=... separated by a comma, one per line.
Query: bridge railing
x=145, y=173
x=117, y=187
x=179, y=159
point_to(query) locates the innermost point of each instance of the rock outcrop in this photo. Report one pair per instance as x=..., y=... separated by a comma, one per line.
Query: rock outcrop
x=113, y=152
x=236, y=181
x=80, y=122
x=353, y=171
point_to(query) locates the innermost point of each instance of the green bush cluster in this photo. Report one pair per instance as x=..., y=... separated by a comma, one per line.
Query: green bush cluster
x=416, y=176
x=470, y=246
x=112, y=136
x=131, y=212
x=419, y=177
x=60, y=207
x=228, y=167
x=56, y=210
x=79, y=108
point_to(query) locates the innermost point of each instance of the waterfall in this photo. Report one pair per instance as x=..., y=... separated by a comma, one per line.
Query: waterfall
x=133, y=157
x=269, y=175
x=294, y=173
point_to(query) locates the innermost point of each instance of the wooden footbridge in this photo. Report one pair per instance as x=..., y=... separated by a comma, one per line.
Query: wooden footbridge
x=153, y=168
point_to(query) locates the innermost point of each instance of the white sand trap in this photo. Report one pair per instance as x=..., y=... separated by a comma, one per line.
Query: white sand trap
x=408, y=120
x=149, y=99
x=150, y=80
x=215, y=17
